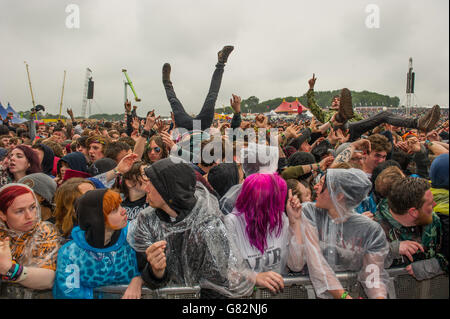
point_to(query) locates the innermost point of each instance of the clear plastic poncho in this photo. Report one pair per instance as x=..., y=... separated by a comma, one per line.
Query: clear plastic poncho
x=256, y=158
x=198, y=250
x=350, y=242
x=37, y=247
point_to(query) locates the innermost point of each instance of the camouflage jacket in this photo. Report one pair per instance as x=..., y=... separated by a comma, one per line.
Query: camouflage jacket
x=430, y=236
x=321, y=115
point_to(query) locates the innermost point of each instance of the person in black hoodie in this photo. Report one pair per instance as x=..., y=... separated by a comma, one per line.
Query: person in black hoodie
x=74, y=161
x=225, y=175
x=181, y=239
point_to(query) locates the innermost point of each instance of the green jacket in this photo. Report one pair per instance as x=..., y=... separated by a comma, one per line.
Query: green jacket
x=440, y=196
x=430, y=236
x=321, y=115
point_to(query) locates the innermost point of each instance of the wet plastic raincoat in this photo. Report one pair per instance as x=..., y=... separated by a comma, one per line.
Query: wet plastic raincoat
x=37, y=247
x=350, y=242
x=198, y=250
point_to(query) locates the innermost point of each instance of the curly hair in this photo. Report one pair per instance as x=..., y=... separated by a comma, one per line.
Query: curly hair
x=379, y=143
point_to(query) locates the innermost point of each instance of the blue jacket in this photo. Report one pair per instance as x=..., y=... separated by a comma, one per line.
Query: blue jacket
x=367, y=205
x=81, y=267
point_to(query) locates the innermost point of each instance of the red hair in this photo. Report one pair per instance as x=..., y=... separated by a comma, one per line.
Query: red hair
x=111, y=201
x=9, y=194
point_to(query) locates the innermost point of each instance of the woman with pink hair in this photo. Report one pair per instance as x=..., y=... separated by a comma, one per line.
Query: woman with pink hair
x=266, y=229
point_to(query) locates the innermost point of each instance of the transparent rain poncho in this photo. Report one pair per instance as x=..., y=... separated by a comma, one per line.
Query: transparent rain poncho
x=198, y=250
x=281, y=251
x=37, y=247
x=350, y=242
x=256, y=158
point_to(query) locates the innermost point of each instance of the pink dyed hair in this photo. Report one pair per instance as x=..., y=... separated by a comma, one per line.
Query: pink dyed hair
x=262, y=202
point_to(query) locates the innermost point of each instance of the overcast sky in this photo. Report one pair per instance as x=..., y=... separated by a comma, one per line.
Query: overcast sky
x=278, y=45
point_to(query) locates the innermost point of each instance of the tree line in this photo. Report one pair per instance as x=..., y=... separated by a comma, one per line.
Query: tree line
x=323, y=98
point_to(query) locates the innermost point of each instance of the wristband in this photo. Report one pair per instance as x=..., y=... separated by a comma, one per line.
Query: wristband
x=116, y=172
x=23, y=276
x=145, y=133
x=344, y=295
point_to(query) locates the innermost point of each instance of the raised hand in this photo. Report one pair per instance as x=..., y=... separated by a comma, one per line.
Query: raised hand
x=125, y=164
x=135, y=124
x=413, y=145
x=433, y=136
x=261, y=121
x=150, y=121
x=326, y=162
x=167, y=139
x=293, y=131
x=293, y=208
x=70, y=112
x=362, y=145
x=235, y=103
x=312, y=81
x=160, y=125
x=127, y=107
x=317, y=142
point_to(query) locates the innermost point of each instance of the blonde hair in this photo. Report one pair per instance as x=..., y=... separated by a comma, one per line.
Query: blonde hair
x=65, y=197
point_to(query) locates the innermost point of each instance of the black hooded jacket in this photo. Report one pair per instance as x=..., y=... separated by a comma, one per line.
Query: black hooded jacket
x=89, y=210
x=75, y=160
x=223, y=176
x=175, y=182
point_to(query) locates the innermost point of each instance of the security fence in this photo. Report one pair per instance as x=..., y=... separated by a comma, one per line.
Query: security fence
x=401, y=286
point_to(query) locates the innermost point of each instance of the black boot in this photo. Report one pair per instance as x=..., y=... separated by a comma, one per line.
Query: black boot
x=345, y=107
x=166, y=72
x=427, y=122
x=224, y=53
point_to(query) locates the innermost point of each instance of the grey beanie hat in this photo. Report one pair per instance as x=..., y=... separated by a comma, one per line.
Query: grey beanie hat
x=41, y=184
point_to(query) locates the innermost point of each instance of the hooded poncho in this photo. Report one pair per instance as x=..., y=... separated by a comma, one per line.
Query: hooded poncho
x=198, y=249
x=350, y=242
x=37, y=247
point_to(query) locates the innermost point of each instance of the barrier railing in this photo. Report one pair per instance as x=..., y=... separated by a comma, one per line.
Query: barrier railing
x=401, y=286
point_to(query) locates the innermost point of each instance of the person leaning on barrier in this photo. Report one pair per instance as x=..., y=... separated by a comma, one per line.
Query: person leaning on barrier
x=28, y=246
x=412, y=228
x=268, y=238
x=336, y=238
x=181, y=239
x=99, y=254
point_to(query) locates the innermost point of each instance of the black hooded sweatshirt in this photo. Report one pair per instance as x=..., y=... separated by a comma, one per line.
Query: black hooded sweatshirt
x=89, y=210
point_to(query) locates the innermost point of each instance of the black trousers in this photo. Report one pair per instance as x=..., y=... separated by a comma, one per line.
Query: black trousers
x=206, y=115
x=356, y=129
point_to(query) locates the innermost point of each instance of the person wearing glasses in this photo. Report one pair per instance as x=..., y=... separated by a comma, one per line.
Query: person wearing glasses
x=155, y=150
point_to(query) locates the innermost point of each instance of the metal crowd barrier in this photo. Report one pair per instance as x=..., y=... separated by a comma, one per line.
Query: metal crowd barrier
x=401, y=286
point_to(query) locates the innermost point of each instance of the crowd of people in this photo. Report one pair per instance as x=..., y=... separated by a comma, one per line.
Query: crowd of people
x=226, y=205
